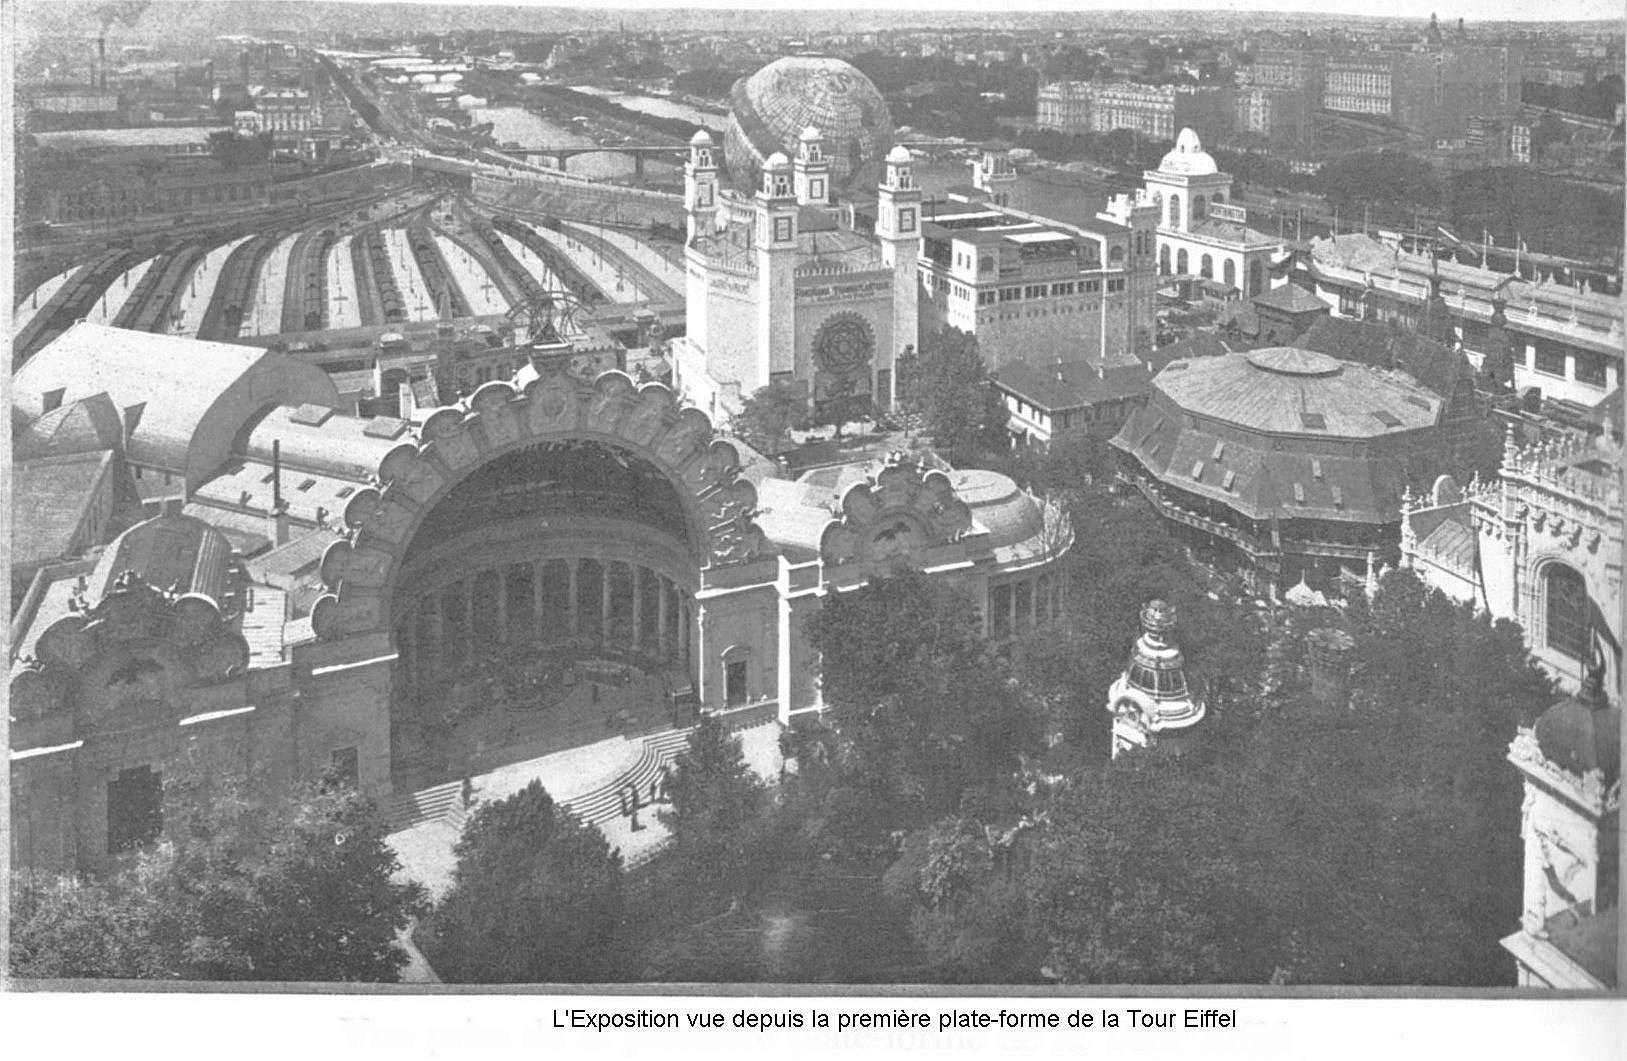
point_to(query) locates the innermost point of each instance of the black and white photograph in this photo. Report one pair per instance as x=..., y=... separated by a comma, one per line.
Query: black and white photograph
x=1008, y=503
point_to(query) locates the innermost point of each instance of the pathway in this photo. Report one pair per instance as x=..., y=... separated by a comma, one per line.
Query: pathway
x=265, y=313
x=667, y=270
x=193, y=300
x=343, y=309
x=118, y=293
x=418, y=304
x=478, y=285
x=531, y=263
x=37, y=301
x=616, y=285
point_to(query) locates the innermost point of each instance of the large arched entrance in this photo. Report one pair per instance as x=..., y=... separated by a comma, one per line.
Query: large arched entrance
x=539, y=545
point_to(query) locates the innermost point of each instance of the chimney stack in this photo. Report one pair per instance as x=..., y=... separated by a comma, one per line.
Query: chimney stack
x=279, y=507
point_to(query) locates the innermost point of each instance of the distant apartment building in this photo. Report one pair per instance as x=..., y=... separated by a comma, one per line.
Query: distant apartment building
x=285, y=110
x=1363, y=85
x=1433, y=92
x=1280, y=115
x=1064, y=106
x=1158, y=112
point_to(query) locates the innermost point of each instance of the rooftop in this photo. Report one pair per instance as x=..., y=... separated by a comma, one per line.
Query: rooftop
x=1069, y=385
x=1282, y=390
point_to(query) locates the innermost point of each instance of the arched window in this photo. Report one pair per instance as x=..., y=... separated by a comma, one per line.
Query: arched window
x=1175, y=211
x=1116, y=255
x=1206, y=268
x=1220, y=197
x=1565, y=593
x=1229, y=272
x=1163, y=260
x=1200, y=208
x=1180, y=261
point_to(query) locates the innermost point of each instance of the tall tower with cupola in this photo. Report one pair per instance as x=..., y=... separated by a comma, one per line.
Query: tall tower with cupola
x=1570, y=823
x=700, y=184
x=776, y=241
x=812, y=169
x=1152, y=703
x=898, y=227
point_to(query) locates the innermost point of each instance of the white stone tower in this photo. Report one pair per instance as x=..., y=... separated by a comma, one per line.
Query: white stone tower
x=812, y=169
x=776, y=243
x=700, y=184
x=994, y=175
x=1570, y=822
x=1151, y=702
x=898, y=228
x=1187, y=182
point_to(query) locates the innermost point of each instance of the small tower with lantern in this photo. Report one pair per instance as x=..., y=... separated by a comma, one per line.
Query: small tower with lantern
x=812, y=169
x=1152, y=703
x=1570, y=823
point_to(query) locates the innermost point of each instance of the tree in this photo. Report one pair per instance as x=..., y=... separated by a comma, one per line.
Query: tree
x=959, y=407
x=767, y=418
x=235, y=889
x=536, y=898
x=1128, y=880
x=926, y=711
x=718, y=815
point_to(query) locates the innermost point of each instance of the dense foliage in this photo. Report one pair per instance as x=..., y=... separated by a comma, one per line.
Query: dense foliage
x=235, y=889
x=536, y=898
x=950, y=388
x=767, y=418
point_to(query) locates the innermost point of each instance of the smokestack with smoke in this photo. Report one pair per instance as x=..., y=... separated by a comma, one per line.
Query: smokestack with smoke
x=127, y=13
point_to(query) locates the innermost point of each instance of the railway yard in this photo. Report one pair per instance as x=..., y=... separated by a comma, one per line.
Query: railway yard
x=397, y=256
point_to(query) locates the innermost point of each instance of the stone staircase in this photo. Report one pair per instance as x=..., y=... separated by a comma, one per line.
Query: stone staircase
x=436, y=803
x=444, y=802
x=604, y=802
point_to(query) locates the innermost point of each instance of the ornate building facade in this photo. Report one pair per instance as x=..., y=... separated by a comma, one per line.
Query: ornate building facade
x=322, y=585
x=1541, y=545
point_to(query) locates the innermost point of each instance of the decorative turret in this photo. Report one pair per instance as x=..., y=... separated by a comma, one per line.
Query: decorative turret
x=1151, y=702
x=775, y=236
x=1570, y=822
x=700, y=184
x=898, y=228
x=812, y=169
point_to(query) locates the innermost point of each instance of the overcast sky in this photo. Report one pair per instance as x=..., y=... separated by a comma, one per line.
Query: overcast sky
x=1478, y=11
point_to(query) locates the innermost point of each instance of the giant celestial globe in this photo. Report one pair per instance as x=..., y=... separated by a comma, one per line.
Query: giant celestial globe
x=770, y=109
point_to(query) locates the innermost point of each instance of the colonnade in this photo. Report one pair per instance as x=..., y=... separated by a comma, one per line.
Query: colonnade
x=1017, y=607
x=589, y=604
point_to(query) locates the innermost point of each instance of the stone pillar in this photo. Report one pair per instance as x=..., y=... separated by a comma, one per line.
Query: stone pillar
x=604, y=601
x=502, y=605
x=537, y=632
x=638, y=607
x=662, y=636
x=407, y=645
x=1033, y=603
x=435, y=659
x=576, y=625
x=468, y=621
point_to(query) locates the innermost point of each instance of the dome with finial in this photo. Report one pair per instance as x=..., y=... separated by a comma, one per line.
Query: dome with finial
x=899, y=155
x=702, y=138
x=1189, y=159
x=1582, y=733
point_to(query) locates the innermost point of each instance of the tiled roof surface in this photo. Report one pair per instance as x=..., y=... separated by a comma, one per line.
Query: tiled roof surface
x=49, y=500
x=90, y=424
x=1240, y=389
x=1072, y=384
x=176, y=553
x=1291, y=298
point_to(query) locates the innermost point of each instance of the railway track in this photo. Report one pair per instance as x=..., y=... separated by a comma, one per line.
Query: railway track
x=73, y=302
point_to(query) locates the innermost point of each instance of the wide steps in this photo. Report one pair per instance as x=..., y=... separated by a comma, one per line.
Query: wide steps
x=444, y=802
x=604, y=802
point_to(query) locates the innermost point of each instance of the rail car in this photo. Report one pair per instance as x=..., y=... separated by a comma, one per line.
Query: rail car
x=573, y=278
x=437, y=274
x=234, y=291
x=510, y=265
x=72, y=303
x=154, y=311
